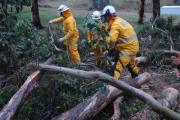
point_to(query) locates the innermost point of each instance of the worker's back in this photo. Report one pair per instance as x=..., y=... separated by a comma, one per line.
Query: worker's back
x=126, y=40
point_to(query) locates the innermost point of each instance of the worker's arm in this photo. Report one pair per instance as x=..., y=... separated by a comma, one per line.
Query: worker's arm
x=113, y=36
x=72, y=30
x=56, y=20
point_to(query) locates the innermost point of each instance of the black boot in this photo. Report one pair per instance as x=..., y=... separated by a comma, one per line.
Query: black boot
x=134, y=75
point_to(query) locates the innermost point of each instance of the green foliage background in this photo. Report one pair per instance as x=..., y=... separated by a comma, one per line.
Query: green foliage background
x=21, y=43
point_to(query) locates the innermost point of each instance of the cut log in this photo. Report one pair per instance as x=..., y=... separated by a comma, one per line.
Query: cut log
x=117, y=111
x=172, y=52
x=168, y=98
x=116, y=83
x=92, y=106
x=9, y=110
x=175, y=58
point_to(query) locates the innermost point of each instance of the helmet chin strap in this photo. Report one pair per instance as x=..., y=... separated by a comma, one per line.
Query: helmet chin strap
x=62, y=14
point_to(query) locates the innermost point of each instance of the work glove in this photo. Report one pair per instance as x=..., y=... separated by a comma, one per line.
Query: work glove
x=60, y=40
x=105, y=52
x=50, y=22
x=89, y=42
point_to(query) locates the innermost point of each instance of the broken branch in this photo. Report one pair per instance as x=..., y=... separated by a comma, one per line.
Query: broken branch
x=116, y=83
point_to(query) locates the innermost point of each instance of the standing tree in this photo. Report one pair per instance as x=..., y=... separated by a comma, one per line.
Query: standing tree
x=35, y=14
x=141, y=12
x=17, y=5
x=4, y=6
x=177, y=2
x=156, y=9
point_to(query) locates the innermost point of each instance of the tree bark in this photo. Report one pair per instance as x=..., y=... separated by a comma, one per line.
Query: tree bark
x=156, y=9
x=175, y=58
x=35, y=14
x=141, y=12
x=17, y=5
x=92, y=106
x=117, y=111
x=8, y=112
x=172, y=52
x=168, y=98
x=116, y=83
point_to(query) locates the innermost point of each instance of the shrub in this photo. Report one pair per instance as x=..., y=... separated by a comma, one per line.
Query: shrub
x=24, y=44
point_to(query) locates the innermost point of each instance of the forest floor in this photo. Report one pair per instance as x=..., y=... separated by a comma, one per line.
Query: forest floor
x=162, y=76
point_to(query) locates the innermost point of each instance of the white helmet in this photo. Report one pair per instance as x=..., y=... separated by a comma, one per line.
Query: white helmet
x=108, y=9
x=62, y=8
x=96, y=15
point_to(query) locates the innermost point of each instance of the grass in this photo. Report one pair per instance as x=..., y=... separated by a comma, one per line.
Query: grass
x=47, y=14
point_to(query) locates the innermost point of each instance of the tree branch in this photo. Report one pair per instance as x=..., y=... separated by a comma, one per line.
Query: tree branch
x=89, y=108
x=168, y=98
x=10, y=109
x=118, y=84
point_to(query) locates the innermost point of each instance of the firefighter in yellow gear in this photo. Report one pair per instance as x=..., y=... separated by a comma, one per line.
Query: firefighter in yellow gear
x=95, y=34
x=70, y=30
x=122, y=38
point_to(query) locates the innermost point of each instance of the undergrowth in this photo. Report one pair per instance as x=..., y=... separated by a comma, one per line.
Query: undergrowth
x=21, y=43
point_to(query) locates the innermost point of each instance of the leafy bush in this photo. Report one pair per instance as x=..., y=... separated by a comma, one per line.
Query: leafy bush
x=129, y=108
x=24, y=44
x=55, y=94
x=30, y=42
x=157, y=38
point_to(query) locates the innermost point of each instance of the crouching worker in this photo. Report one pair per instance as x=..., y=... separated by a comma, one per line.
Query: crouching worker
x=123, y=40
x=70, y=30
x=96, y=35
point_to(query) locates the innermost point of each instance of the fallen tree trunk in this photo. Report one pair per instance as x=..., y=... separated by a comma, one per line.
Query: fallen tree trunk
x=175, y=58
x=172, y=52
x=116, y=83
x=8, y=112
x=168, y=98
x=117, y=111
x=92, y=106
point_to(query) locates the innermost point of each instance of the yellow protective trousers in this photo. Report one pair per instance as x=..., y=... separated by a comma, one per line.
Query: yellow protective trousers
x=71, y=33
x=73, y=53
x=125, y=61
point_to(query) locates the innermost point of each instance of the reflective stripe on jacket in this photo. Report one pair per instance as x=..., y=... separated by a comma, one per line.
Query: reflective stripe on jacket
x=123, y=36
x=69, y=27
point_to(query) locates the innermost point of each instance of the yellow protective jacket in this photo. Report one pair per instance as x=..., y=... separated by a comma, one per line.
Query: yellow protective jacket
x=71, y=35
x=94, y=35
x=123, y=36
x=69, y=27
